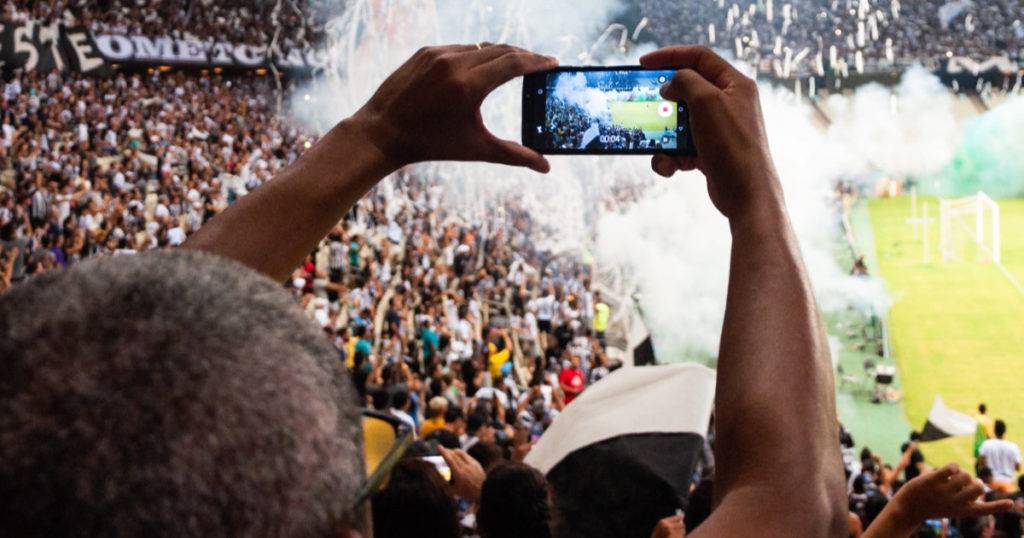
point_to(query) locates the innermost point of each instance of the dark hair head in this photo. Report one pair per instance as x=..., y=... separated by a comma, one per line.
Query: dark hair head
x=974, y=527
x=399, y=399
x=601, y=493
x=445, y=438
x=984, y=474
x=982, y=408
x=514, y=503
x=416, y=502
x=486, y=454
x=170, y=393
x=1000, y=428
x=474, y=422
x=873, y=507
x=379, y=398
x=453, y=414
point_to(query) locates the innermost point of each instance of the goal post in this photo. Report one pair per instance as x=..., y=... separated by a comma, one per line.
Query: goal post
x=974, y=219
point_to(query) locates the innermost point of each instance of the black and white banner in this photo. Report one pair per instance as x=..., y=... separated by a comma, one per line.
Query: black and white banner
x=945, y=422
x=653, y=419
x=32, y=46
x=162, y=50
x=35, y=47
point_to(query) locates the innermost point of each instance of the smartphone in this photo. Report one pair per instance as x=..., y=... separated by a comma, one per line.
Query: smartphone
x=440, y=465
x=603, y=111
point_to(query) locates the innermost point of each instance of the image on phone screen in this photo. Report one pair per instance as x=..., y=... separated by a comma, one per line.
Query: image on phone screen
x=603, y=110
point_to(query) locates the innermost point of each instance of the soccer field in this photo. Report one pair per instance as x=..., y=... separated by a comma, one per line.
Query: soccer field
x=642, y=115
x=957, y=328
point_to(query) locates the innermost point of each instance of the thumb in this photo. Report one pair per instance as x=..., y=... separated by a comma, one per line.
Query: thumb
x=515, y=154
x=689, y=86
x=990, y=508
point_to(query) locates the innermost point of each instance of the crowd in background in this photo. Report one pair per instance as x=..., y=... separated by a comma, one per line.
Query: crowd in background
x=568, y=126
x=872, y=483
x=459, y=326
x=809, y=34
x=295, y=23
x=127, y=163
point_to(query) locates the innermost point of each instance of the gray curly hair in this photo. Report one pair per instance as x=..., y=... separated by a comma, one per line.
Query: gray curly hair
x=171, y=393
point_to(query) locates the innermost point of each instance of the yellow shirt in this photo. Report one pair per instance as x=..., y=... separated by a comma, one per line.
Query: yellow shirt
x=497, y=360
x=990, y=425
x=350, y=352
x=430, y=425
x=601, y=317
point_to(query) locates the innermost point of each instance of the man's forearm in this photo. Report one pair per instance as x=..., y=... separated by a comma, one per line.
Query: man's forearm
x=775, y=413
x=273, y=228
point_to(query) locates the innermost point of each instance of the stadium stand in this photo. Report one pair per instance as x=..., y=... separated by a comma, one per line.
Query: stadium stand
x=466, y=328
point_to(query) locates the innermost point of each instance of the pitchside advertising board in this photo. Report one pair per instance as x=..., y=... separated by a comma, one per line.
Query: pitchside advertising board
x=32, y=46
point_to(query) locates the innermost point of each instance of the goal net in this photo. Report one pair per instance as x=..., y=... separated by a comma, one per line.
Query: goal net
x=969, y=229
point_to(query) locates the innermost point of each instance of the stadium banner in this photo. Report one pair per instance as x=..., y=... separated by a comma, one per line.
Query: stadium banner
x=32, y=46
x=163, y=50
x=996, y=65
x=944, y=422
x=652, y=417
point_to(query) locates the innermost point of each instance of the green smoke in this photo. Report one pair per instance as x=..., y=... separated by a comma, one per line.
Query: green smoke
x=991, y=157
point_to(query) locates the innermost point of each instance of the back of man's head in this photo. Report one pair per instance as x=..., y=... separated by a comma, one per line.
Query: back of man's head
x=602, y=493
x=982, y=409
x=400, y=400
x=415, y=502
x=171, y=393
x=515, y=503
x=1000, y=429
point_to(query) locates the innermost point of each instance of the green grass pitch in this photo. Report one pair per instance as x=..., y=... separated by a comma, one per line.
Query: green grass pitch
x=642, y=115
x=957, y=328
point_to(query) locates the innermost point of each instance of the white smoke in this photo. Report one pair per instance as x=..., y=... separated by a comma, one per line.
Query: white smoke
x=673, y=244
x=572, y=88
x=911, y=130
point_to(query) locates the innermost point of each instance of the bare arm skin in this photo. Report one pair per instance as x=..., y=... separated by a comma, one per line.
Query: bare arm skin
x=779, y=471
x=429, y=109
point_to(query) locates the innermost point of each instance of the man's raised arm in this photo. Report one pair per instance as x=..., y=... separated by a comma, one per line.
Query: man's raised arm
x=778, y=466
x=429, y=109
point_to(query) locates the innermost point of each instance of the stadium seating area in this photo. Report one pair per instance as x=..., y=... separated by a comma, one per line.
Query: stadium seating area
x=466, y=329
x=299, y=22
x=888, y=34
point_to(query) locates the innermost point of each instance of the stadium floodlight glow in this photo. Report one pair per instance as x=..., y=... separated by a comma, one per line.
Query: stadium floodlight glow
x=953, y=223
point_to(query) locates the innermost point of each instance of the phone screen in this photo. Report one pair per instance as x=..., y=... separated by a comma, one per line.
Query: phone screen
x=441, y=466
x=603, y=111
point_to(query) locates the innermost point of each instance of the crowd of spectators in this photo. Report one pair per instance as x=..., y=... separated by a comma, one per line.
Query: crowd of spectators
x=569, y=126
x=296, y=23
x=872, y=483
x=461, y=328
x=93, y=166
x=817, y=35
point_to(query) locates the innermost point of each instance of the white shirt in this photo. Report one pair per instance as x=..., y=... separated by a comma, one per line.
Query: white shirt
x=1002, y=457
x=404, y=417
x=546, y=308
x=175, y=236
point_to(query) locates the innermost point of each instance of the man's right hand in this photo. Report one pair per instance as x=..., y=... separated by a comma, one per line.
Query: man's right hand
x=728, y=130
x=429, y=109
